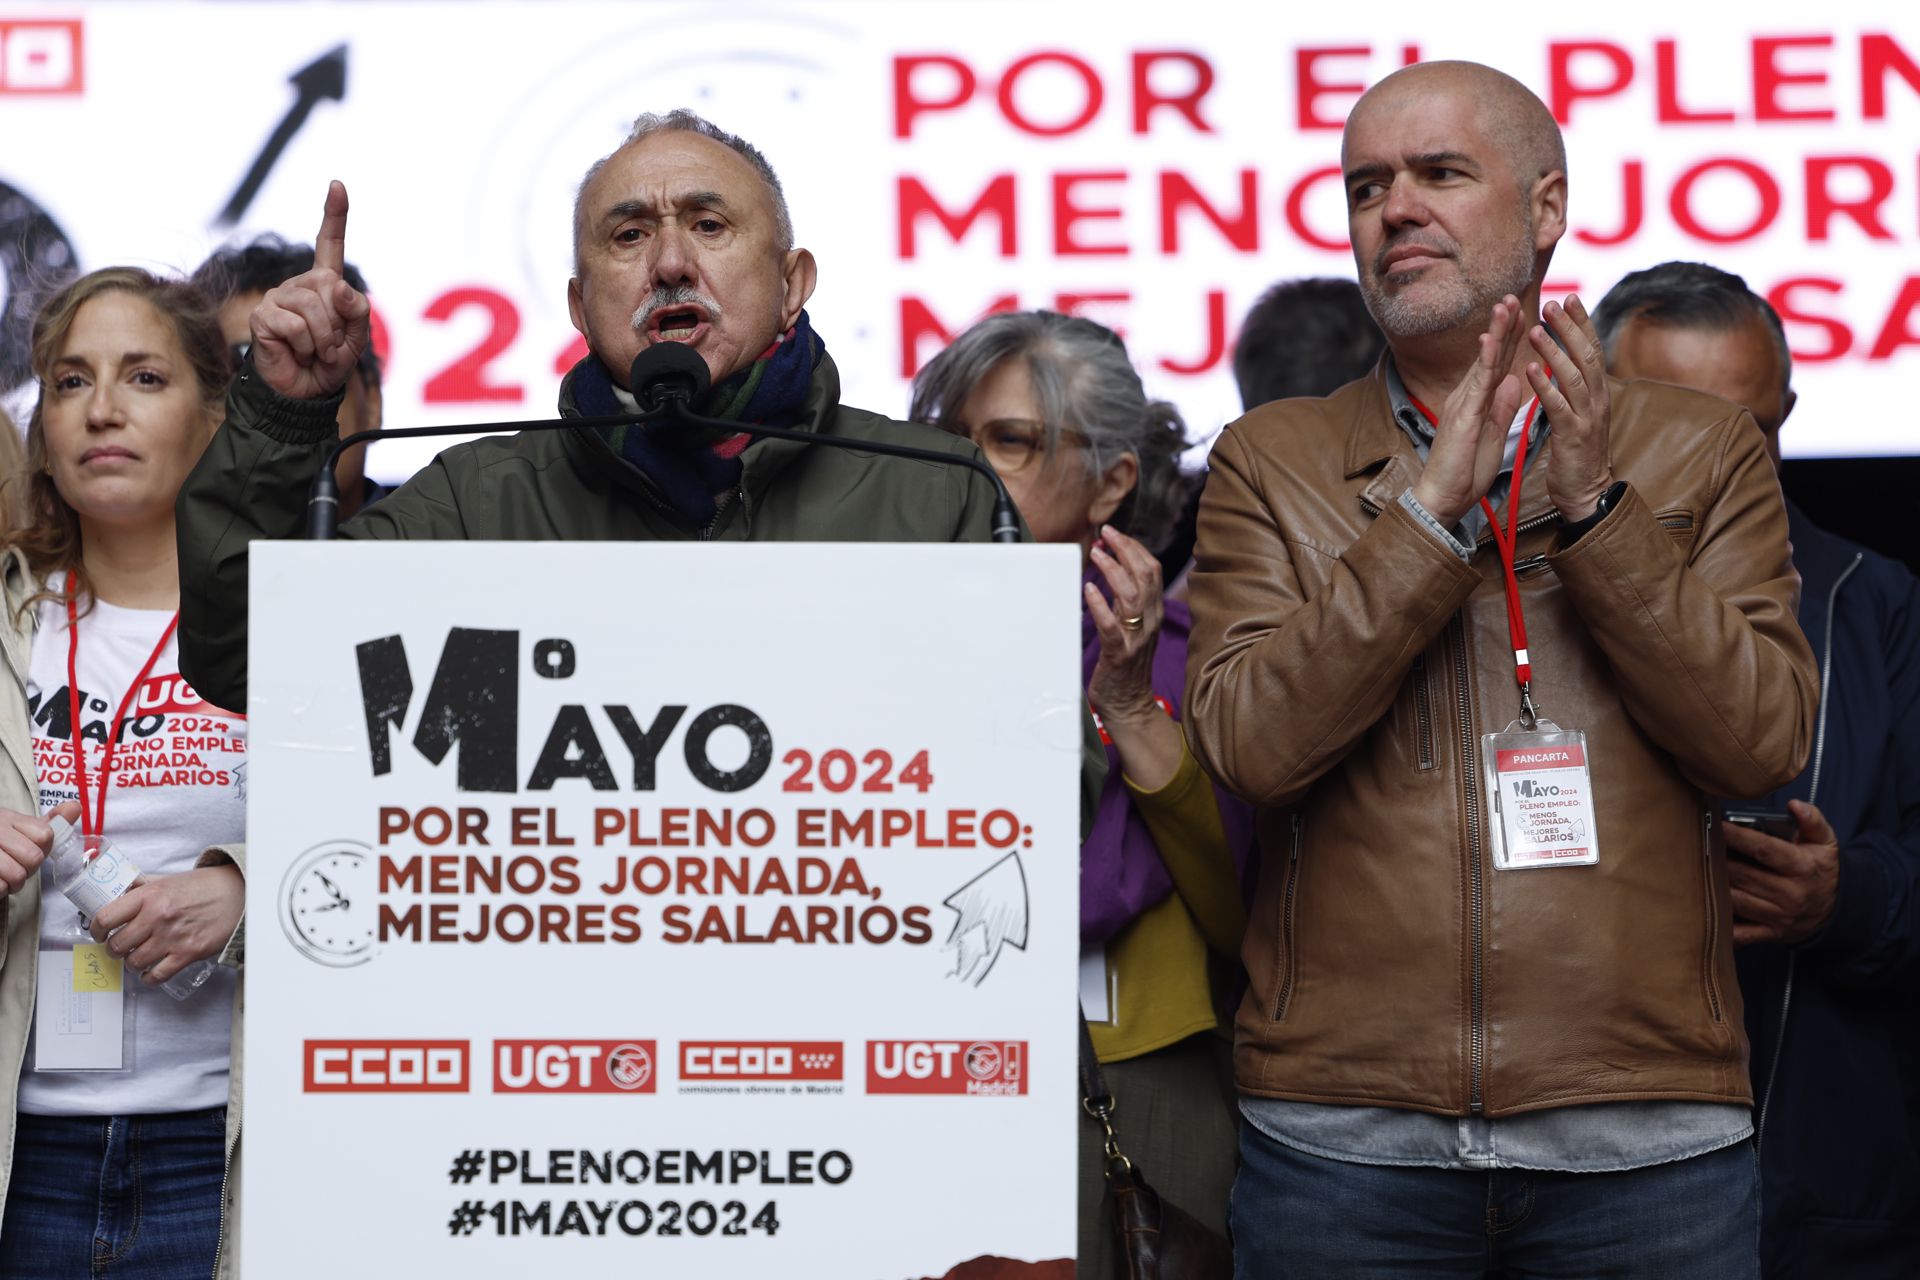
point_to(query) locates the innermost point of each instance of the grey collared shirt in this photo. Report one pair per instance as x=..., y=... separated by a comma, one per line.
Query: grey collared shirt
x=1462, y=537
x=1596, y=1138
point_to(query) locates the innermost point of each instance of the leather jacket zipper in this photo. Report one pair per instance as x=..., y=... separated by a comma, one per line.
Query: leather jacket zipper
x=1423, y=711
x=1528, y=565
x=1710, y=973
x=1813, y=789
x=1470, y=778
x=1546, y=517
x=1288, y=945
x=1476, y=874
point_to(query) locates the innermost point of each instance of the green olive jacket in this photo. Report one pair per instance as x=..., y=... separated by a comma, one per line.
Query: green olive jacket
x=542, y=485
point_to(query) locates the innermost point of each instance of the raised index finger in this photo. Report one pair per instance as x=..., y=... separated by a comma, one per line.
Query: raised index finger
x=330, y=246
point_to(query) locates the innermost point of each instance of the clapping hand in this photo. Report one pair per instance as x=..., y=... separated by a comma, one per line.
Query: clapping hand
x=1469, y=440
x=1572, y=385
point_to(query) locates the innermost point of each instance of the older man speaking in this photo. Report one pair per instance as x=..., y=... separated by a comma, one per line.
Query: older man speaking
x=681, y=235
x=1482, y=661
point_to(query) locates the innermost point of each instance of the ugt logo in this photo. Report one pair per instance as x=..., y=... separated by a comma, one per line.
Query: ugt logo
x=473, y=702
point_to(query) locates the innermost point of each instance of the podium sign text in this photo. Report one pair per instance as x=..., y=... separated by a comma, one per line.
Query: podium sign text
x=706, y=910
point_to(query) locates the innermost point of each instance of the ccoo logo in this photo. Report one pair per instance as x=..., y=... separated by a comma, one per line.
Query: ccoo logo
x=760, y=1060
x=386, y=1066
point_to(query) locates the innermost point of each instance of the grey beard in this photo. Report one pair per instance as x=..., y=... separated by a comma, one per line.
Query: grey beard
x=1401, y=317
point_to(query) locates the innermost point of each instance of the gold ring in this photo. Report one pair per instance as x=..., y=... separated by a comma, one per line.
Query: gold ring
x=1133, y=623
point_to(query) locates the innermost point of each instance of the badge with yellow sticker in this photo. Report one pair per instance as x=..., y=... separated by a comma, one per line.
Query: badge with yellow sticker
x=79, y=1013
x=95, y=969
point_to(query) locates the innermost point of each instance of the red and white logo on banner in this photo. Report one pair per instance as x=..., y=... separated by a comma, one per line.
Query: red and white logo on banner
x=386, y=1066
x=573, y=1066
x=42, y=55
x=987, y=1068
x=761, y=1060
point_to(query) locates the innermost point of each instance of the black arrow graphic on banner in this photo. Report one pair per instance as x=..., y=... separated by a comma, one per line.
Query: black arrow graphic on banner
x=323, y=78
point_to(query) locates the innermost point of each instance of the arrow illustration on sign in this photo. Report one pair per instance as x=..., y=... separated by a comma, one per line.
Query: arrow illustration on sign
x=993, y=914
x=322, y=79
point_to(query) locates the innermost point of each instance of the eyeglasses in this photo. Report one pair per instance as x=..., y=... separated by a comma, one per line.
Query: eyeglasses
x=1012, y=444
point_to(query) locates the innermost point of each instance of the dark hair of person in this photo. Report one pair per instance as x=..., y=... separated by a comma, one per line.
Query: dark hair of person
x=265, y=263
x=50, y=536
x=1305, y=338
x=1178, y=550
x=1688, y=295
x=1083, y=380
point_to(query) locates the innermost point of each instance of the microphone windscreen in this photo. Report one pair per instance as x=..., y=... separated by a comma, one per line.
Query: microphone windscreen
x=665, y=364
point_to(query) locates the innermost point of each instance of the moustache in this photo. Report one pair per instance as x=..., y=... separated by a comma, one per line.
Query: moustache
x=670, y=298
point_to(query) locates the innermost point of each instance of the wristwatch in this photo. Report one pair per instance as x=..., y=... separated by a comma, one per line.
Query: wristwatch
x=1572, y=531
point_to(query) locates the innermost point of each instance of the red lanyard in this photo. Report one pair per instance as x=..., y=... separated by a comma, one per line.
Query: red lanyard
x=95, y=823
x=1505, y=541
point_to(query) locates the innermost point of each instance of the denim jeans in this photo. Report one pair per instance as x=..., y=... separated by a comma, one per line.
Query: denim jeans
x=122, y=1197
x=1296, y=1217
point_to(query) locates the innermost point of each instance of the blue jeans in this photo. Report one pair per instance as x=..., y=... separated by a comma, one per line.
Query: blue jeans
x=1298, y=1217
x=125, y=1197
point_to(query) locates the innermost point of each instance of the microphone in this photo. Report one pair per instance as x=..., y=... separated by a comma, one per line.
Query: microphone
x=668, y=372
x=665, y=378
x=668, y=377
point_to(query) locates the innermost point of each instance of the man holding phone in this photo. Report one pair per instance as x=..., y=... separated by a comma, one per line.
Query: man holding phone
x=1825, y=873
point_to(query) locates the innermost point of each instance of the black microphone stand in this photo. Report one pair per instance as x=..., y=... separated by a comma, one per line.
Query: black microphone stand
x=323, y=498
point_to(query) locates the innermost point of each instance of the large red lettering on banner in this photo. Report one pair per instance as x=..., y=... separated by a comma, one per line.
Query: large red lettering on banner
x=932, y=84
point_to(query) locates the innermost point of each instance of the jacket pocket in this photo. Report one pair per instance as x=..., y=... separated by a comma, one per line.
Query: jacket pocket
x=1678, y=524
x=1710, y=969
x=1289, y=949
x=1424, y=757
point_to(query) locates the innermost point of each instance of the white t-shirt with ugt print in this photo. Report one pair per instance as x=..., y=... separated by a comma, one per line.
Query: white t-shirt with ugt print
x=179, y=784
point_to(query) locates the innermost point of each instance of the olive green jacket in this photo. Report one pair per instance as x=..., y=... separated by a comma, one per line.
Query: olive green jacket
x=252, y=483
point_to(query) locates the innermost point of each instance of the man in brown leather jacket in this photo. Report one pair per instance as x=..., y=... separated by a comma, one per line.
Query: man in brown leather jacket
x=1440, y=1054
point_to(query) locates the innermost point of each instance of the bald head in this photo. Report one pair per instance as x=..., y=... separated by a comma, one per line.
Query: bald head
x=1510, y=116
x=1456, y=197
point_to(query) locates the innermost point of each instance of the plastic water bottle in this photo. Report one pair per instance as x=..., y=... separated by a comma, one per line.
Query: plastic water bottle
x=91, y=873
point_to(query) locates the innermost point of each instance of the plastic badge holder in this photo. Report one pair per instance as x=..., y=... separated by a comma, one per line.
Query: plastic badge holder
x=1539, y=793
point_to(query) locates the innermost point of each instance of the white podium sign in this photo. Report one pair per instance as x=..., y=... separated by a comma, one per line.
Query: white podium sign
x=696, y=910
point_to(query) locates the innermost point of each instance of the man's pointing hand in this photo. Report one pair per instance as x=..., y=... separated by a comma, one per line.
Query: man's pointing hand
x=309, y=332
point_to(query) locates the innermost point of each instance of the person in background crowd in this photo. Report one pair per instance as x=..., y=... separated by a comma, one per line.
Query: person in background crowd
x=1827, y=922
x=120, y=1172
x=1452, y=1066
x=1057, y=408
x=1304, y=338
x=240, y=276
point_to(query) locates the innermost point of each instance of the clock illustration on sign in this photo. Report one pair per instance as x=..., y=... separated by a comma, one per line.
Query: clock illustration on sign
x=327, y=904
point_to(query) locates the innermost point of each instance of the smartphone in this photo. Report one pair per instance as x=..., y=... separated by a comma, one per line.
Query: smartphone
x=1781, y=826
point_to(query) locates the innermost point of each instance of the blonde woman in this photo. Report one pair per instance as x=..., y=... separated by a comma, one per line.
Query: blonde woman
x=116, y=1170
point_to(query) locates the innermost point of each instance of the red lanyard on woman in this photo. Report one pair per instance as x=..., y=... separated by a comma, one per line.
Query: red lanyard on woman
x=1505, y=543
x=95, y=823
